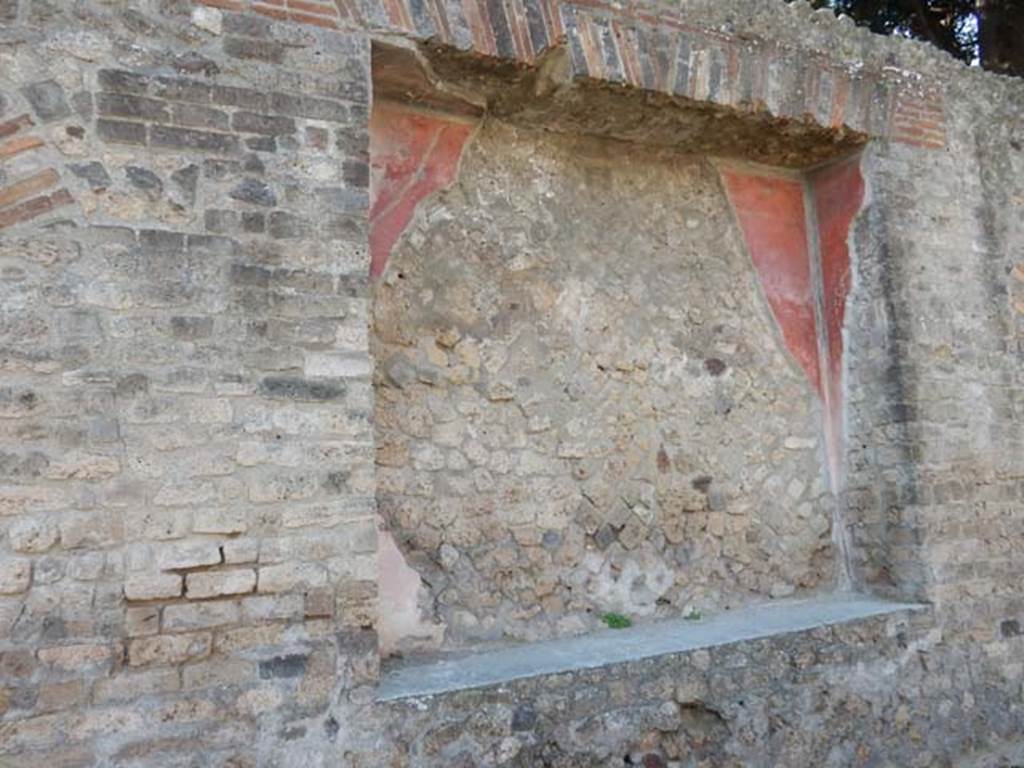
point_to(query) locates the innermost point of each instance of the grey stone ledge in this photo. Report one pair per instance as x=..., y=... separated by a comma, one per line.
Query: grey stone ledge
x=611, y=646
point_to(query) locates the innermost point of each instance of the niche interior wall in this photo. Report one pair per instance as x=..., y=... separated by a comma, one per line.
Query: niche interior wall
x=610, y=367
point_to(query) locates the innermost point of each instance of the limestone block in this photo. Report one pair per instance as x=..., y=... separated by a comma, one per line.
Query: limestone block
x=215, y=583
x=15, y=575
x=189, y=554
x=153, y=586
x=32, y=535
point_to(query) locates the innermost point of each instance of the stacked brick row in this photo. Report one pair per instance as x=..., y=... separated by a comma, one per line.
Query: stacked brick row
x=659, y=51
x=186, y=468
x=29, y=186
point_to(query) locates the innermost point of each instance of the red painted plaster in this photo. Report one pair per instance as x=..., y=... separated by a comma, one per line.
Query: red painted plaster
x=412, y=155
x=838, y=192
x=838, y=195
x=772, y=213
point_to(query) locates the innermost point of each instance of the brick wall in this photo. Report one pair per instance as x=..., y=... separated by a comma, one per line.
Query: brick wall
x=187, y=465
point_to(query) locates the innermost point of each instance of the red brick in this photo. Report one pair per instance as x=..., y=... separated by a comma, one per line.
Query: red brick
x=35, y=207
x=316, y=137
x=227, y=5
x=918, y=141
x=441, y=19
x=554, y=19
x=920, y=110
x=314, y=8
x=517, y=28
x=319, y=21
x=916, y=131
x=17, y=146
x=398, y=14
x=626, y=39
x=917, y=124
x=839, y=99
x=11, y=127
x=592, y=52
x=26, y=187
x=274, y=13
x=479, y=26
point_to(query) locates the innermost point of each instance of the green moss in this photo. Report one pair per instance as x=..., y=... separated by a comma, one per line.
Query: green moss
x=616, y=621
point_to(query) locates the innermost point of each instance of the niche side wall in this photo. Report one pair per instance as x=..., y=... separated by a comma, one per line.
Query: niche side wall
x=796, y=226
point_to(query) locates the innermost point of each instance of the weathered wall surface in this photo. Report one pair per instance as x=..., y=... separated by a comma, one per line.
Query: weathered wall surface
x=871, y=695
x=187, y=463
x=582, y=404
x=187, y=470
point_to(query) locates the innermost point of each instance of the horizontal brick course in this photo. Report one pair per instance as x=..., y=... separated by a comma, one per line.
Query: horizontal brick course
x=153, y=586
x=137, y=107
x=181, y=89
x=248, y=122
x=13, y=126
x=34, y=208
x=298, y=11
x=29, y=186
x=205, y=584
x=186, y=555
x=195, y=116
x=168, y=649
x=227, y=5
x=260, y=50
x=185, y=138
x=119, y=132
x=205, y=615
x=918, y=122
x=181, y=113
x=239, y=97
x=19, y=144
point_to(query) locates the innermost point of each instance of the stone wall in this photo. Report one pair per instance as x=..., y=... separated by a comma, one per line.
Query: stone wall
x=188, y=463
x=187, y=467
x=573, y=420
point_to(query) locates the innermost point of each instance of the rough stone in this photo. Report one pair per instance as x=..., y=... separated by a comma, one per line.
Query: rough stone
x=188, y=555
x=47, y=100
x=15, y=575
x=32, y=535
x=216, y=583
x=254, y=191
x=152, y=586
x=168, y=649
x=93, y=173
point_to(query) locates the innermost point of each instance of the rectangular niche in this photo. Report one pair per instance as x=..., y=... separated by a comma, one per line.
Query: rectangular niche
x=584, y=402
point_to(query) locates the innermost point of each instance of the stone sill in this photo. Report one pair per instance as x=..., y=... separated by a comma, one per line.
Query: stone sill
x=611, y=646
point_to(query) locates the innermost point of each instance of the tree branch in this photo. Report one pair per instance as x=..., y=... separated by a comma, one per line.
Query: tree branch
x=927, y=23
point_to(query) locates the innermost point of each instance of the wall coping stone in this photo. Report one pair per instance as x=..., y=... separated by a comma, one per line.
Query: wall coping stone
x=607, y=647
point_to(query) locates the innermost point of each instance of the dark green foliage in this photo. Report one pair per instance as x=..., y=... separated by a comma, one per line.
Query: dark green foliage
x=989, y=32
x=616, y=621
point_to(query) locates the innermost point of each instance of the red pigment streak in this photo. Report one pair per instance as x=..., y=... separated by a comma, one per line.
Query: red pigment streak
x=771, y=214
x=838, y=192
x=412, y=155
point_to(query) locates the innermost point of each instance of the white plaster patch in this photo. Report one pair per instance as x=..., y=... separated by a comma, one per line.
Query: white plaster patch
x=209, y=19
x=400, y=623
